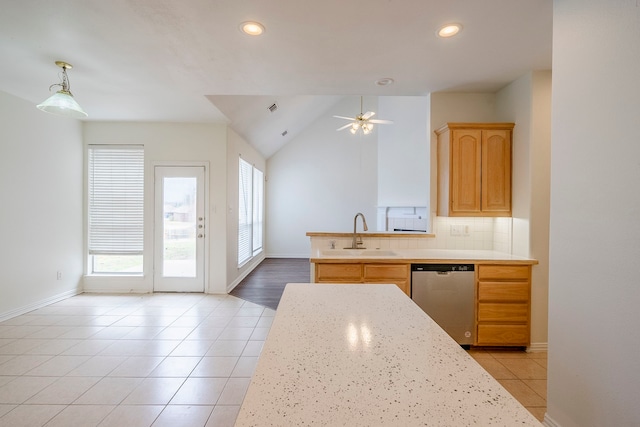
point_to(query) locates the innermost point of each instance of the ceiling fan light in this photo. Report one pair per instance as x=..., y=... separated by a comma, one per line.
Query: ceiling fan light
x=353, y=130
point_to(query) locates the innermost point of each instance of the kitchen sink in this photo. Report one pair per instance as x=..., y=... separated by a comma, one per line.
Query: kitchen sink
x=359, y=252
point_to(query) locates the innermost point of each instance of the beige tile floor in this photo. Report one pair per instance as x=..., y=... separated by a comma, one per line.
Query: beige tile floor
x=523, y=374
x=162, y=360
x=130, y=360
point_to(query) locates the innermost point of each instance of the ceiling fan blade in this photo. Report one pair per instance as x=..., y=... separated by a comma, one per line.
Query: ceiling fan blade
x=345, y=126
x=368, y=114
x=346, y=118
x=381, y=122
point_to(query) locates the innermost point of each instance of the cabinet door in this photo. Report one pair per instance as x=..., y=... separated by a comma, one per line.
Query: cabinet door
x=345, y=273
x=466, y=163
x=389, y=273
x=496, y=171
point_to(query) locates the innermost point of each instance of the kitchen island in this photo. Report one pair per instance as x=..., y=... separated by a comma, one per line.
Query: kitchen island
x=341, y=355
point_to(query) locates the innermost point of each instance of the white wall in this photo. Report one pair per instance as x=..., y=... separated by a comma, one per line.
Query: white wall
x=527, y=102
x=403, y=151
x=514, y=104
x=41, y=199
x=319, y=181
x=165, y=143
x=594, y=295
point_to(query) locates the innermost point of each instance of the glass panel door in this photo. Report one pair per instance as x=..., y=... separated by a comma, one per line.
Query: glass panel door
x=179, y=229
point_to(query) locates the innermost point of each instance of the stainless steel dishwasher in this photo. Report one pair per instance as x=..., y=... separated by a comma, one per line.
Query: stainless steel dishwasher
x=446, y=293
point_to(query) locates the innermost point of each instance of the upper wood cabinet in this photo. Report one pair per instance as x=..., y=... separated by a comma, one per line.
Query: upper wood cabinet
x=474, y=169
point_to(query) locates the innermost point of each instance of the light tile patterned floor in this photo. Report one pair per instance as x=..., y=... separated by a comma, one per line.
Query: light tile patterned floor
x=162, y=360
x=130, y=360
x=523, y=374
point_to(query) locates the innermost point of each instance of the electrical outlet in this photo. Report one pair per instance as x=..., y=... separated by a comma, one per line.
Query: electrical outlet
x=456, y=230
x=59, y=275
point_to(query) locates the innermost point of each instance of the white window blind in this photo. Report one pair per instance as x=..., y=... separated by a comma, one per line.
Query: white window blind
x=250, y=211
x=116, y=193
x=258, y=202
x=245, y=211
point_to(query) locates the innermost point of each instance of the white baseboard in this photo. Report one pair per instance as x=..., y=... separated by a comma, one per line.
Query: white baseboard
x=38, y=304
x=537, y=347
x=548, y=422
x=251, y=266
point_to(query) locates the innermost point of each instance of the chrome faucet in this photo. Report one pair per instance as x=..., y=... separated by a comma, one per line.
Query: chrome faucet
x=356, y=241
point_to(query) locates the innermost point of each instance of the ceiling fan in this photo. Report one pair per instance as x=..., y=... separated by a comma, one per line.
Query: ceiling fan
x=362, y=121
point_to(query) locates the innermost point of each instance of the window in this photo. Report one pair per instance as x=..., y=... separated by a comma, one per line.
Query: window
x=250, y=211
x=116, y=190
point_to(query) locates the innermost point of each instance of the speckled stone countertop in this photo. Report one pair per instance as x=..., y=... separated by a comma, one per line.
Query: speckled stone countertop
x=418, y=256
x=352, y=355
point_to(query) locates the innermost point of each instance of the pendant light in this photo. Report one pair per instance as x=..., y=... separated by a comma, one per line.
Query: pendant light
x=62, y=102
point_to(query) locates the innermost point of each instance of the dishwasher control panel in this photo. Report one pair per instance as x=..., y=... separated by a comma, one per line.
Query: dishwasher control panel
x=442, y=267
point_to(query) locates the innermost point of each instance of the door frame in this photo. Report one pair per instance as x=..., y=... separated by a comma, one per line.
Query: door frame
x=205, y=208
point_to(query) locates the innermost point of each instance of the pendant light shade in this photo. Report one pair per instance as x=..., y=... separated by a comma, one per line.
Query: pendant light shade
x=62, y=102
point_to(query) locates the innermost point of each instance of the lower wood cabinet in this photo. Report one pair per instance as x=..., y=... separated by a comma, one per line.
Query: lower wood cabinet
x=503, y=305
x=503, y=294
x=365, y=272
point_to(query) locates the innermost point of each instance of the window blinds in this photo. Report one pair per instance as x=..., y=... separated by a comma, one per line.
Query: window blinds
x=116, y=194
x=258, y=203
x=245, y=211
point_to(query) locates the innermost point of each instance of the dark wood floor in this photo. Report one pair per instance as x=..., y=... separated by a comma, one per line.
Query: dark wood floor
x=265, y=284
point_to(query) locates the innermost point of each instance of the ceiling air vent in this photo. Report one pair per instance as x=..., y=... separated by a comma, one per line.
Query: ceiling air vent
x=273, y=107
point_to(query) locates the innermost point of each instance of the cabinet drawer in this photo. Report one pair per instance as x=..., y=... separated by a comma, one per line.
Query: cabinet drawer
x=339, y=272
x=503, y=335
x=503, y=291
x=386, y=271
x=490, y=312
x=499, y=272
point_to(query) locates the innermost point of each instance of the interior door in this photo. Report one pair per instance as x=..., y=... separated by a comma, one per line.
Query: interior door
x=179, y=229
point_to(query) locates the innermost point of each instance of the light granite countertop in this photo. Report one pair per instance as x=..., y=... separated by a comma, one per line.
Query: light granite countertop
x=350, y=355
x=418, y=255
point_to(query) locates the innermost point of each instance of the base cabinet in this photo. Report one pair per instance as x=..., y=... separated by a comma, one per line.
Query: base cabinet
x=503, y=305
x=503, y=295
x=364, y=272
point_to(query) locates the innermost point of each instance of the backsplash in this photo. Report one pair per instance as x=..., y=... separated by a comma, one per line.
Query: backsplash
x=478, y=233
x=470, y=233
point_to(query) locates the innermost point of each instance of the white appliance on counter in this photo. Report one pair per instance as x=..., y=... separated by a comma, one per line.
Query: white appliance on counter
x=446, y=293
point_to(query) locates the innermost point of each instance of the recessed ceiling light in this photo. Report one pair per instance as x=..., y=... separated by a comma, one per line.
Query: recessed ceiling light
x=252, y=28
x=386, y=81
x=449, y=30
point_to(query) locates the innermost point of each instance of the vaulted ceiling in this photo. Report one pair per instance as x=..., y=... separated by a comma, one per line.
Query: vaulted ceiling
x=187, y=61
